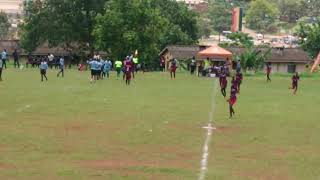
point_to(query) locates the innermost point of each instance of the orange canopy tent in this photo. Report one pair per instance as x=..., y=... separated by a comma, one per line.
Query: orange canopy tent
x=215, y=52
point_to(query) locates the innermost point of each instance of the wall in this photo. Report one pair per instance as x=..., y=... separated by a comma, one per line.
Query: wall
x=283, y=67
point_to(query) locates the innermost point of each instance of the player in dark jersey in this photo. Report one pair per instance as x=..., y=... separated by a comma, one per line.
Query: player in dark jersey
x=233, y=99
x=239, y=78
x=268, y=72
x=295, y=78
x=223, y=84
x=173, y=68
x=234, y=83
x=128, y=72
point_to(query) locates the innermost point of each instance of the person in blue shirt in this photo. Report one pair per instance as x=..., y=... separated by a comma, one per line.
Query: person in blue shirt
x=61, y=67
x=4, y=56
x=43, y=69
x=0, y=70
x=94, y=69
x=106, y=68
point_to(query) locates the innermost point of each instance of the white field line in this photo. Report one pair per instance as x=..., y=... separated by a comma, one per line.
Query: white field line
x=210, y=128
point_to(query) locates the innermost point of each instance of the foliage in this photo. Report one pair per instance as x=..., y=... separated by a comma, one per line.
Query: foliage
x=261, y=15
x=60, y=23
x=4, y=25
x=253, y=59
x=309, y=38
x=117, y=27
x=290, y=10
x=151, y=26
x=242, y=39
x=220, y=16
x=204, y=27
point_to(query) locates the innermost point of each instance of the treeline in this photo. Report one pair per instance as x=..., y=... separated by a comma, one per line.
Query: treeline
x=117, y=27
x=265, y=16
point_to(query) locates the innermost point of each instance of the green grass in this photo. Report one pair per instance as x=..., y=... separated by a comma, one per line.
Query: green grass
x=71, y=129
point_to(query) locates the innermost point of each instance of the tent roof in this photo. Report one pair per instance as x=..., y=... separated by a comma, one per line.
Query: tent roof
x=215, y=52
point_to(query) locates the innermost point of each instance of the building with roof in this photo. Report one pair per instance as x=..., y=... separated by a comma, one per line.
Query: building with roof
x=283, y=60
x=196, y=5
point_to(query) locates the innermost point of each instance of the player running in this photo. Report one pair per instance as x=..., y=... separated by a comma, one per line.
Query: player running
x=0, y=70
x=106, y=68
x=128, y=72
x=295, y=78
x=43, y=69
x=239, y=78
x=61, y=67
x=268, y=72
x=173, y=69
x=223, y=84
x=232, y=101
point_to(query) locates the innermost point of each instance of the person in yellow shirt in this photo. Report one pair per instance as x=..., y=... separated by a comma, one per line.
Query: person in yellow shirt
x=118, y=65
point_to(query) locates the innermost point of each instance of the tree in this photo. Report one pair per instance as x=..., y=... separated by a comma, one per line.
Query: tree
x=290, y=10
x=241, y=39
x=310, y=8
x=309, y=38
x=4, y=25
x=220, y=16
x=253, y=59
x=61, y=23
x=261, y=15
x=182, y=21
x=204, y=27
x=148, y=29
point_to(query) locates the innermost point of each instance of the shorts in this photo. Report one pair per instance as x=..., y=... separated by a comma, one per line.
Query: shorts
x=294, y=85
x=232, y=101
x=173, y=69
x=128, y=75
x=43, y=71
x=92, y=72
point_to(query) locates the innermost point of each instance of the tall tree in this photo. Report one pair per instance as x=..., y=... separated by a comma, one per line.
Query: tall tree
x=4, y=25
x=309, y=38
x=290, y=10
x=143, y=25
x=261, y=15
x=61, y=23
x=220, y=16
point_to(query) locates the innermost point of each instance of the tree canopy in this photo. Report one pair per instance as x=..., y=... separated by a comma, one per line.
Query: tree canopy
x=115, y=26
x=261, y=14
x=4, y=25
x=309, y=38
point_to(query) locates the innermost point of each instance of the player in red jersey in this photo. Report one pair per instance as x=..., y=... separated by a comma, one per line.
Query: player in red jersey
x=173, y=68
x=128, y=72
x=233, y=99
x=268, y=72
x=295, y=78
x=223, y=84
x=239, y=78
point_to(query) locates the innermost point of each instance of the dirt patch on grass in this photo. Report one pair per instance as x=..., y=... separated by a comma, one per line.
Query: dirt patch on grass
x=228, y=146
x=264, y=175
x=75, y=127
x=145, y=156
x=229, y=129
x=281, y=152
x=6, y=166
x=118, y=164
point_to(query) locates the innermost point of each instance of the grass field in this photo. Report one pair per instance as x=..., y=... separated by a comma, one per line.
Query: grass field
x=71, y=129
